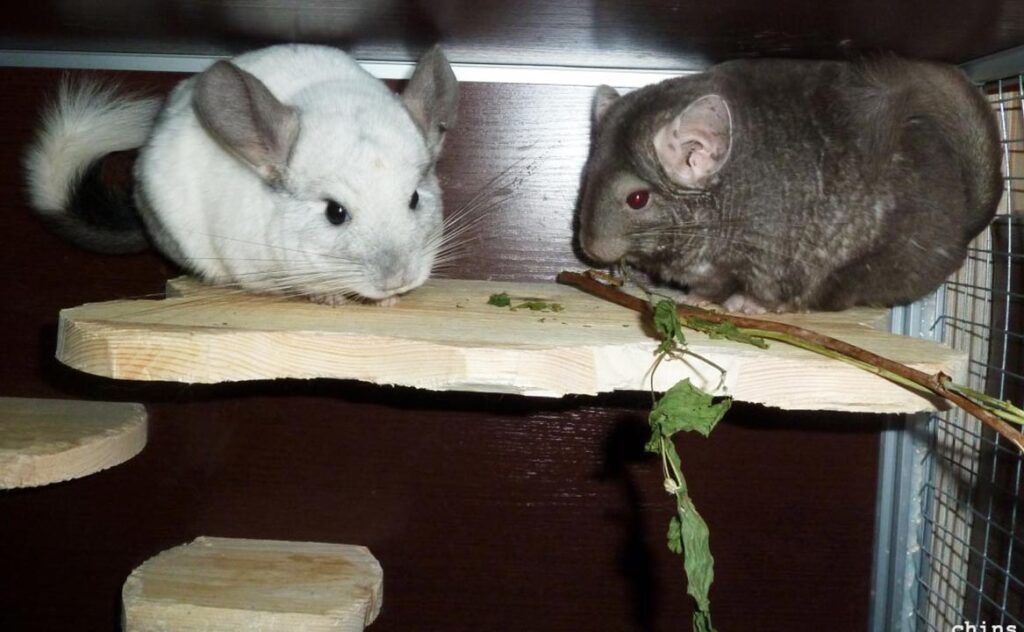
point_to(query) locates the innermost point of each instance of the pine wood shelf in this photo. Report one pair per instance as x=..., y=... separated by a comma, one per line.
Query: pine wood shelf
x=444, y=336
x=225, y=584
x=45, y=441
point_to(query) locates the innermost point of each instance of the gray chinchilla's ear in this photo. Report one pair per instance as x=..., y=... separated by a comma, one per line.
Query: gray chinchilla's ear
x=432, y=97
x=603, y=98
x=696, y=143
x=239, y=111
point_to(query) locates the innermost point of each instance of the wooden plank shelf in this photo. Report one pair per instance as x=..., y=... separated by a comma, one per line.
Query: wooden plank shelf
x=226, y=584
x=45, y=441
x=444, y=336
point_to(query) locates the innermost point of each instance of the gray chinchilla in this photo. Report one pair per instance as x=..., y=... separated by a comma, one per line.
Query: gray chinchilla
x=780, y=185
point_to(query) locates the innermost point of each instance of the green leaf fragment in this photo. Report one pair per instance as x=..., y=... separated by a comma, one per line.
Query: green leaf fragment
x=500, y=300
x=536, y=305
x=666, y=322
x=699, y=563
x=675, y=535
x=725, y=329
x=532, y=304
x=684, y=408
x=702, y=621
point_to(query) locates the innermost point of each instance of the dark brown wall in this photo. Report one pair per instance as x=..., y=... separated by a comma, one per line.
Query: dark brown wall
x=486, y=512
x=608, y=33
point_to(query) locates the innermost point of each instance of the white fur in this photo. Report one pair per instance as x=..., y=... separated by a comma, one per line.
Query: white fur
x=357, y=144
x=85, y=121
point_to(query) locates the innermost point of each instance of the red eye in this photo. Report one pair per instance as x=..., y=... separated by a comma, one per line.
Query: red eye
x=638, y=199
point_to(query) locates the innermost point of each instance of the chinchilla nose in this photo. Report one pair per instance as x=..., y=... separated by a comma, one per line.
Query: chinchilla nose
x=605, y=249
x=394, y=271
x=394, y=282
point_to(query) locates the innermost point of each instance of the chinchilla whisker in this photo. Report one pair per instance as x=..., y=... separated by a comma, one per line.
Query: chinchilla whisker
x=473, y=213
x=459, y=233
x=448, y=260
x=490, y=193
x=297, y=272
x=272, y=246
x=483, y=201
x=727, y=241
x=655, y=236
x=471, y=216
x=449, y=245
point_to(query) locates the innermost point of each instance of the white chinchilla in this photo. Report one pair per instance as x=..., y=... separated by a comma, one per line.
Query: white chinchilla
x=288, y=169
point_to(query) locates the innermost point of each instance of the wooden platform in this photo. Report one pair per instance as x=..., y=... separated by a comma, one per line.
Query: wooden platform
x=445, y=336
x=45, y=441
x=224, y=584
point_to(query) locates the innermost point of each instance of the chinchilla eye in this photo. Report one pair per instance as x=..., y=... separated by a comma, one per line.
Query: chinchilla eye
x=414, y=201
x=336, y=213
x=638, y=199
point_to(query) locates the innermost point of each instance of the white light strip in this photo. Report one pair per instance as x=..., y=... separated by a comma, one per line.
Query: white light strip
x=549, y=75
x=490, y=73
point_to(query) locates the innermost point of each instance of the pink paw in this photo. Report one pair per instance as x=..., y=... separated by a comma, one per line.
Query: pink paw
x=333, y=300
x=390, y=301
x=743, y=304
x=695, y=299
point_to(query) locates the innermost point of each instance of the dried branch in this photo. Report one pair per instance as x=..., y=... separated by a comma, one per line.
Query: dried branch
x=937, y=384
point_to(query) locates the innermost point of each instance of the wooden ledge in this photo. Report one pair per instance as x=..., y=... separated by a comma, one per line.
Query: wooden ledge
x=444, y=336
x=230, y=584
x=45, y=441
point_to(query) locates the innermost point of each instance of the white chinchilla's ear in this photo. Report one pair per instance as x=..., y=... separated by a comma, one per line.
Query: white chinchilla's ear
x=603, y=98
x=696, y=143
x=432, y=97
x=239, y=111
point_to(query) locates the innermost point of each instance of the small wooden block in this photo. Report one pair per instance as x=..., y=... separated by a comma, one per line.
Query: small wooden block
x=445, y=336
x=225, y=584
x=45, y=441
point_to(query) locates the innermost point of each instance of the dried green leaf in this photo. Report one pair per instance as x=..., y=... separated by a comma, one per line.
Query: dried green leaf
x=699, y=563
x=725, y=329
x=685, y=407
x=675, y=535
x=500, y=300
x=666, y=323
x=532, y=304
x=702, y=621
x=537, y=305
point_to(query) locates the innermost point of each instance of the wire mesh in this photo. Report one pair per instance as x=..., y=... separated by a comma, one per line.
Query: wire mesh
x=972, y=558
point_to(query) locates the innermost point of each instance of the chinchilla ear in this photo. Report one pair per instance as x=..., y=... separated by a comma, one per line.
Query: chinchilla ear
x=696, y=143
x=239, y=111
x=603, y=98
x=432, y=97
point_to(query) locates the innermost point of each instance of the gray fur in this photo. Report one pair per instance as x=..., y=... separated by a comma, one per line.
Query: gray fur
x=846, y=183
x=242, y=114
x=432, y=97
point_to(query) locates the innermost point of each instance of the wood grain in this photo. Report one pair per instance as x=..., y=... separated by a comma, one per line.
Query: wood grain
x=227, y=584
x=45, y=441
x=603, y=33
x=445, y=336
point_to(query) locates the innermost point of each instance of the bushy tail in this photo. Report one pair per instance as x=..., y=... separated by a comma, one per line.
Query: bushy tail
x=76, y=182
x=906, y=91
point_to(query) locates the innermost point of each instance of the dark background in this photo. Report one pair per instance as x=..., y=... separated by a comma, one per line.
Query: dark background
x=487, y=512
x=602, y=33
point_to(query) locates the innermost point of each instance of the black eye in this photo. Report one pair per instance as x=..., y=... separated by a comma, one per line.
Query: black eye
x=336, y=213
x=414, y=200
